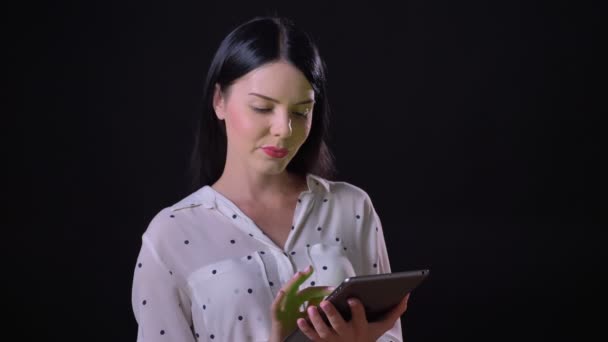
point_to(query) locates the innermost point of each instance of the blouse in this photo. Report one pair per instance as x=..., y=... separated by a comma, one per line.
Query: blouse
x=206, y=272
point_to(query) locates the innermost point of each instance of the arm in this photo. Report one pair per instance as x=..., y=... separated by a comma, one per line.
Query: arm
x=161, y=309
x=377, y=259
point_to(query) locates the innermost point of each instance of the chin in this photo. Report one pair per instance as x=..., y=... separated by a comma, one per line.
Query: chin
x=273, y=168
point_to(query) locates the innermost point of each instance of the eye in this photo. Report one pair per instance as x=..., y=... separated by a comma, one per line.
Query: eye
x=262, y=110
x=303, y=114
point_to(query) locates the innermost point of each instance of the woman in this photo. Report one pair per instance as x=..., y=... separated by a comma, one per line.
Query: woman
x=230, y=261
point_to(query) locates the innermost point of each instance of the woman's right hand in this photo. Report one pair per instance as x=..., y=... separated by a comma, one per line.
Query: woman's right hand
x=285, y=309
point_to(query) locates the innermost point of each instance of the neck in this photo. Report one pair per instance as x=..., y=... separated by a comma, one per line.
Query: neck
x=253, y=187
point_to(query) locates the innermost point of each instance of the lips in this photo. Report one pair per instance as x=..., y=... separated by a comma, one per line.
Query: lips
x=275, y=152
x=276, y=149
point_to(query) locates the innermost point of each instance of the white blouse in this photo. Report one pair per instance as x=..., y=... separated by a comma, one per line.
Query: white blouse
x=206, y=272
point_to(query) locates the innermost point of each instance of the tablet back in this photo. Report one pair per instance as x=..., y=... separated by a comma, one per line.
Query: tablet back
x=378, y=292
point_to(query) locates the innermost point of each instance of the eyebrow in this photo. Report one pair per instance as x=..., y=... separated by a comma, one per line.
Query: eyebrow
x=277, y=101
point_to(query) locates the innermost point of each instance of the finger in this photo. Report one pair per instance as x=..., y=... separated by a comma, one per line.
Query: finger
x=301, y=279
x=314, y=295
x=326, y=291
x=294, y=283
x=389, y=319
x=308, y=330
x=400, y=308
x=324, y=331
x=298, y=278
x=276, y=305
x=357, y=310
x=334, y=317
x=316, y=291
x=314, y=302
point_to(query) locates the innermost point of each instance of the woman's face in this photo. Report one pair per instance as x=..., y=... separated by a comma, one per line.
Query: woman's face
x=268, y=113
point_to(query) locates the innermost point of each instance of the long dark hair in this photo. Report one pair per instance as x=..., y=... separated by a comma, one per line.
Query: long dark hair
x=252, y=44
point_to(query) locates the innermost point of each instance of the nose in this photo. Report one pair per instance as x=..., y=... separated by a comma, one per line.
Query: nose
x=281, y=125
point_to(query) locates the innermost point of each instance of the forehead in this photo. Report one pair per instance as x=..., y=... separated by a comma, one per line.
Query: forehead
x=279, y=80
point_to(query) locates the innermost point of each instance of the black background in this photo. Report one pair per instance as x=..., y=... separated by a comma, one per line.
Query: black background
x=473, y=125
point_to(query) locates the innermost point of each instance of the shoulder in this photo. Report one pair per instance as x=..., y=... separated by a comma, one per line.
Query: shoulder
x=342, y=189
x=175, y=217
x=350, y=204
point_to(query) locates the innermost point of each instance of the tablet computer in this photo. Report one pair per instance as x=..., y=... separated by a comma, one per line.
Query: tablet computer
x=379, y=293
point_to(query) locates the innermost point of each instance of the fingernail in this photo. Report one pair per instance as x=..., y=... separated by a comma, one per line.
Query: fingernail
x=308, y=268
x=352, y=302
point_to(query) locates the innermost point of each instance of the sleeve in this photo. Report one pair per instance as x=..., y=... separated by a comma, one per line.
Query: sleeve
x=377, y=259
x=161, y=309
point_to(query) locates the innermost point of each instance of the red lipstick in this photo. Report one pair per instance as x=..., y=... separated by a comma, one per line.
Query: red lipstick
x=275, y=152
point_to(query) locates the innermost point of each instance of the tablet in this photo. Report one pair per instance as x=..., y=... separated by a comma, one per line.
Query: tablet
x=379, y=293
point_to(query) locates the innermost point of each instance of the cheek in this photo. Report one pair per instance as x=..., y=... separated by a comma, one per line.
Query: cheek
x=307, y=126
x=301, y=131
x=241, y=122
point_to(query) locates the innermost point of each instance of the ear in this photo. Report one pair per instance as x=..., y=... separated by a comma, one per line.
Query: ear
x=218, y=102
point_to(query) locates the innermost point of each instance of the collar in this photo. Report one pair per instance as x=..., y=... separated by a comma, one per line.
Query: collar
x=205, y=196
x=317, y=184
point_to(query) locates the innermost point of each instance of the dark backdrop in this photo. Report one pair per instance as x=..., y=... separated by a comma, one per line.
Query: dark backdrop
x=473, y=125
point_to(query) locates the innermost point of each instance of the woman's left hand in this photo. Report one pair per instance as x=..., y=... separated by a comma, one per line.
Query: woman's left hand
x=358, y=329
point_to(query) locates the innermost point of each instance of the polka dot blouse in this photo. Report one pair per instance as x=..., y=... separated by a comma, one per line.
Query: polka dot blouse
x=206, y=272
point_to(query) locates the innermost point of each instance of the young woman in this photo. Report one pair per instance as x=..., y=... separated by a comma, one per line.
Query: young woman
x=267, y=234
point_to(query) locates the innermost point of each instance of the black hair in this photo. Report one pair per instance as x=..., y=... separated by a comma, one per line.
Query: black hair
x=250, y=45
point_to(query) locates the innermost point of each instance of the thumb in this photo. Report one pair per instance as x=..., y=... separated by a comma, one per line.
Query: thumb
x=396, y=312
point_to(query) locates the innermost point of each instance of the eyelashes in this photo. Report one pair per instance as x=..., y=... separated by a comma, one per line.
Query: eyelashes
x=261, y=110
x=268, y=110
